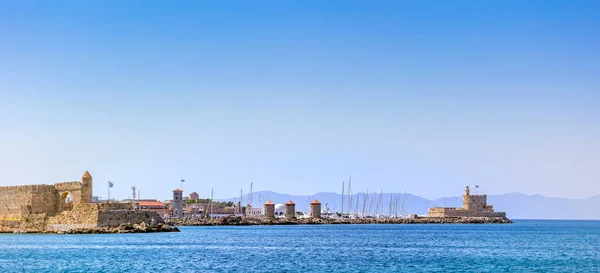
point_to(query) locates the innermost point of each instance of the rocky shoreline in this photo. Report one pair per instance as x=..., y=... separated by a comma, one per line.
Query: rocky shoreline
x=240, y=221
x=123, y=228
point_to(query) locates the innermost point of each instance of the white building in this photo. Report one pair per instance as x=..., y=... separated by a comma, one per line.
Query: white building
x=279, y=210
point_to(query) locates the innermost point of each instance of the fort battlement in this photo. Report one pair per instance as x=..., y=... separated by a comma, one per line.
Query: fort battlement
x=67, y=185
x=39, y=208
x=472, y=206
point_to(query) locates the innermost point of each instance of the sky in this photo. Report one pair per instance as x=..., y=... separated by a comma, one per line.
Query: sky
x=297, y=96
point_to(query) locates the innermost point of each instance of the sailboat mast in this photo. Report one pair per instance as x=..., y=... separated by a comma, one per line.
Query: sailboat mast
x=373, y=199
x=343, y=184
x=250, y=197
x=356, y=209
x=404, y=205
x=349, y=195
x=365, y=202
x=380, y=204
x=396, y=209
x=209, y=205
x=390, y=208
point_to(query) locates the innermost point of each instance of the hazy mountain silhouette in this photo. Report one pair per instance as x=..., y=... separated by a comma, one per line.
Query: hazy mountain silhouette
x=516, y=205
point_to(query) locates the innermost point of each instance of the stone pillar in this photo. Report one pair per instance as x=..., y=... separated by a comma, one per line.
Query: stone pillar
x=315, y=209
x=177, y=203
x=290, y=210
x=269, y=209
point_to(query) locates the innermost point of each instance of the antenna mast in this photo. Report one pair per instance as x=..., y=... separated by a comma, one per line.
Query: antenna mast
x=134, y=192
x=132, y=199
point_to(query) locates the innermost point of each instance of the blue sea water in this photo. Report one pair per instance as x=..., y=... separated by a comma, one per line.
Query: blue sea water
x=526, y=246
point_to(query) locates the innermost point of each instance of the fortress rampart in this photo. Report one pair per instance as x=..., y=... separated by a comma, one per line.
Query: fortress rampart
x=472, y=206
x=62, y=206
x=19, y=201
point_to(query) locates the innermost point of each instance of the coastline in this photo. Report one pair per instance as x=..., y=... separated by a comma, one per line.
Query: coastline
x=122, y=228
x=240, y=221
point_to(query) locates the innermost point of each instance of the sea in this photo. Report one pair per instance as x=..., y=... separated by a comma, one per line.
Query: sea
x=525, y=246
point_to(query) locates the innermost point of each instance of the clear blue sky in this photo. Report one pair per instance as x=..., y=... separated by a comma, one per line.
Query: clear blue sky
x=295, y=96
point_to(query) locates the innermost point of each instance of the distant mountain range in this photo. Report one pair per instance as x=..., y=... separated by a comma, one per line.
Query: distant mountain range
x=516, y=205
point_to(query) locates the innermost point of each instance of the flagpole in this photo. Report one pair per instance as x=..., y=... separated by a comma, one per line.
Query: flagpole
x=108, y=194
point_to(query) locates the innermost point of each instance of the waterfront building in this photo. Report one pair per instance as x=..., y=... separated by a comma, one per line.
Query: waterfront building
x=252, y=212
x=152, y=205
x=279, y=210
x=222, y=212
x=193, y=196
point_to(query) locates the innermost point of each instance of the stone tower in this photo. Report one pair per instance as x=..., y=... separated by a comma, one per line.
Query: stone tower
x=315, y=209
x=474, y=202
x=269, y=209
x=177, y=203
x=290, y=210
x=86, y=188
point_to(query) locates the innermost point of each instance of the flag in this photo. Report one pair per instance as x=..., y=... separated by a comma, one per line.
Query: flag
x=110, y=184
x=477, y=186
x=182, y=180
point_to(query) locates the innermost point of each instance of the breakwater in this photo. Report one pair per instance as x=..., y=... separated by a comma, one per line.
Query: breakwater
x=142, y=227
x=241, y=221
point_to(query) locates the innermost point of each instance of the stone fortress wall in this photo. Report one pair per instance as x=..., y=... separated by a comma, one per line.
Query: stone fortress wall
x=472, y=206
x=17, y=202
x=37, y=208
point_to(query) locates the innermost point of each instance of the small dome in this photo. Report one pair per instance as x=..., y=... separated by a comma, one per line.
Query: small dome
x=289, y=203
x=279, y=207
x=269, y=203
x=315, y=202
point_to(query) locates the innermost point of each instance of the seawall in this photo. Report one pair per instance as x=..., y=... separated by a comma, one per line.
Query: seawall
x=239, y=221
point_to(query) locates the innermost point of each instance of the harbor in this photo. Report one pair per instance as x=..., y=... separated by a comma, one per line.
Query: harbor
x=240, y=221
x=70, y=207
x=474, y=210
